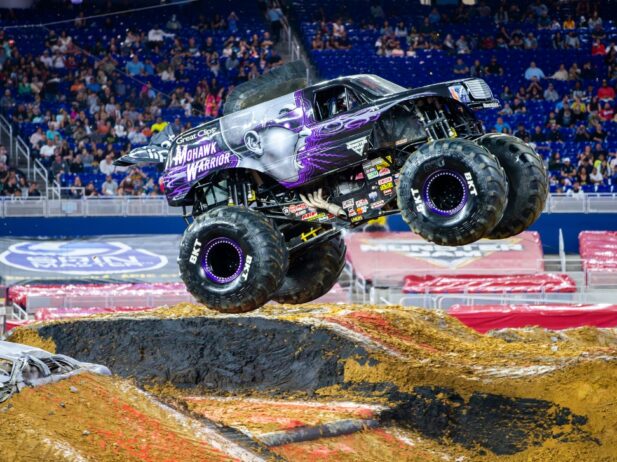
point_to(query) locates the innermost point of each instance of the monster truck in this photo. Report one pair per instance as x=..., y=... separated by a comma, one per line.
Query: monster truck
x=273, y=181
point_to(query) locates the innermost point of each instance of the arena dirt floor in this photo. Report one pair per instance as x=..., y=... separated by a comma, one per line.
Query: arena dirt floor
x=352, y=383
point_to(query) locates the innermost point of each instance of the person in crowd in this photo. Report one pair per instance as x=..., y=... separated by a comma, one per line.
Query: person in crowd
x=607, y=113
x=48, y=150
x=569, y=23
x=506, y=94
x=573, y=41
x=555, y=163
x=109, y=187
x=156, y=36
x=460, y=68
x=538, y=135
x=534, y=71
x=561, y=73
x=462, y=46
x=134, y=66
x=107, y=167
x=58, y=166
x=501, y=126
x=581, y=134
x=606, y=93
x=275, y=16
x=33, y=190
x=576, y=191
x=522, y=133
x=91, y=190
x=550, y=94
x=76, y=190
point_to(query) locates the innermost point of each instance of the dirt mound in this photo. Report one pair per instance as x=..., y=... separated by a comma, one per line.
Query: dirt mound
x=424, y=384
x=90, y=417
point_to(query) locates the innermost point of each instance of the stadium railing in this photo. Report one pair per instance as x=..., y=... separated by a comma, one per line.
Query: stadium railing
x=87, y=207
x=147, y=205
x=19, y=154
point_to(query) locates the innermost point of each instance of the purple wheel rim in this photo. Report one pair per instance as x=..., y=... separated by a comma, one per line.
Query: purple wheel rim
x=453, y=185
x=222, y=260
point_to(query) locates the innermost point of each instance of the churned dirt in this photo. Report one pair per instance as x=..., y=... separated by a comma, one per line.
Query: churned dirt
x=88, y=417
x=439, y=390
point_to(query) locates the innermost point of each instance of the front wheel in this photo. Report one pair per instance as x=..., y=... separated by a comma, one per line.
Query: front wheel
x=452, y=192
x=232, y=259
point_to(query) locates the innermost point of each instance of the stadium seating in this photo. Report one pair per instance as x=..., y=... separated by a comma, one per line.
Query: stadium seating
x=427, y=66
x=93, y=40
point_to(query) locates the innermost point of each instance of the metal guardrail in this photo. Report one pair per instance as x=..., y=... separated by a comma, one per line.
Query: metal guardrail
x=589, y=203
x=291, y=42
x=88, y=207
x=127, y=206
x=6, y=138
x=443, y=302
x=19, y=150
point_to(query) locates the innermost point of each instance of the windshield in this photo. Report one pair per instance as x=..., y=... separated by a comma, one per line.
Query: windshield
x=378, y=86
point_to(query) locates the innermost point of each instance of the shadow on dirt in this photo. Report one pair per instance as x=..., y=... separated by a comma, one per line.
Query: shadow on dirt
x=501, y=424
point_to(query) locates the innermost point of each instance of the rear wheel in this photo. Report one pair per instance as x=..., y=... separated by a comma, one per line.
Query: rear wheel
x=527, y=180
x=452, y=192
x=313, y=272
x=232, y=259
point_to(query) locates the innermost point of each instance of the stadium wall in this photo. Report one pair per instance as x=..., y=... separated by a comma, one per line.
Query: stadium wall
x=548, y=225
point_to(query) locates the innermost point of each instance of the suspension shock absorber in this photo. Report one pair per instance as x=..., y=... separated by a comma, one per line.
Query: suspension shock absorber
x=426, y=124
x=445, y=125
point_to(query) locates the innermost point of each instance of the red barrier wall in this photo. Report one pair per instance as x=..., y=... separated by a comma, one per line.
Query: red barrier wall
x=483, y=284
x=489, y=317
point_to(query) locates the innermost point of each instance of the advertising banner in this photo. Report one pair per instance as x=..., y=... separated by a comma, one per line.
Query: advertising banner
x=149, y=258
x=393, y=256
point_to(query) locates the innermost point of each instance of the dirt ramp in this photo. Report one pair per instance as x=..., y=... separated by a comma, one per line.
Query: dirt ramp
x=95, y=418
x=224, y=354
x=442, y=391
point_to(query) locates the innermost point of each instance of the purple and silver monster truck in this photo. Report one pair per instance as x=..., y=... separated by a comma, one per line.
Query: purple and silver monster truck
x=273, y=181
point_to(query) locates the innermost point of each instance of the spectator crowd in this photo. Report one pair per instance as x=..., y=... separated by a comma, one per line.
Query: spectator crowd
x=92, y=90
x=566, y=109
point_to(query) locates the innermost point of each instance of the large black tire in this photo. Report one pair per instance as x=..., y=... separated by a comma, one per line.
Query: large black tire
x=527, y=180
x=312, y=272
x=232, y=259
x=452, y=192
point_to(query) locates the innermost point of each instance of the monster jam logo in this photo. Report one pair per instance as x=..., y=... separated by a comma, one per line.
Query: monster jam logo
x=80, y=257
x=357, y=146
x=440, y=255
